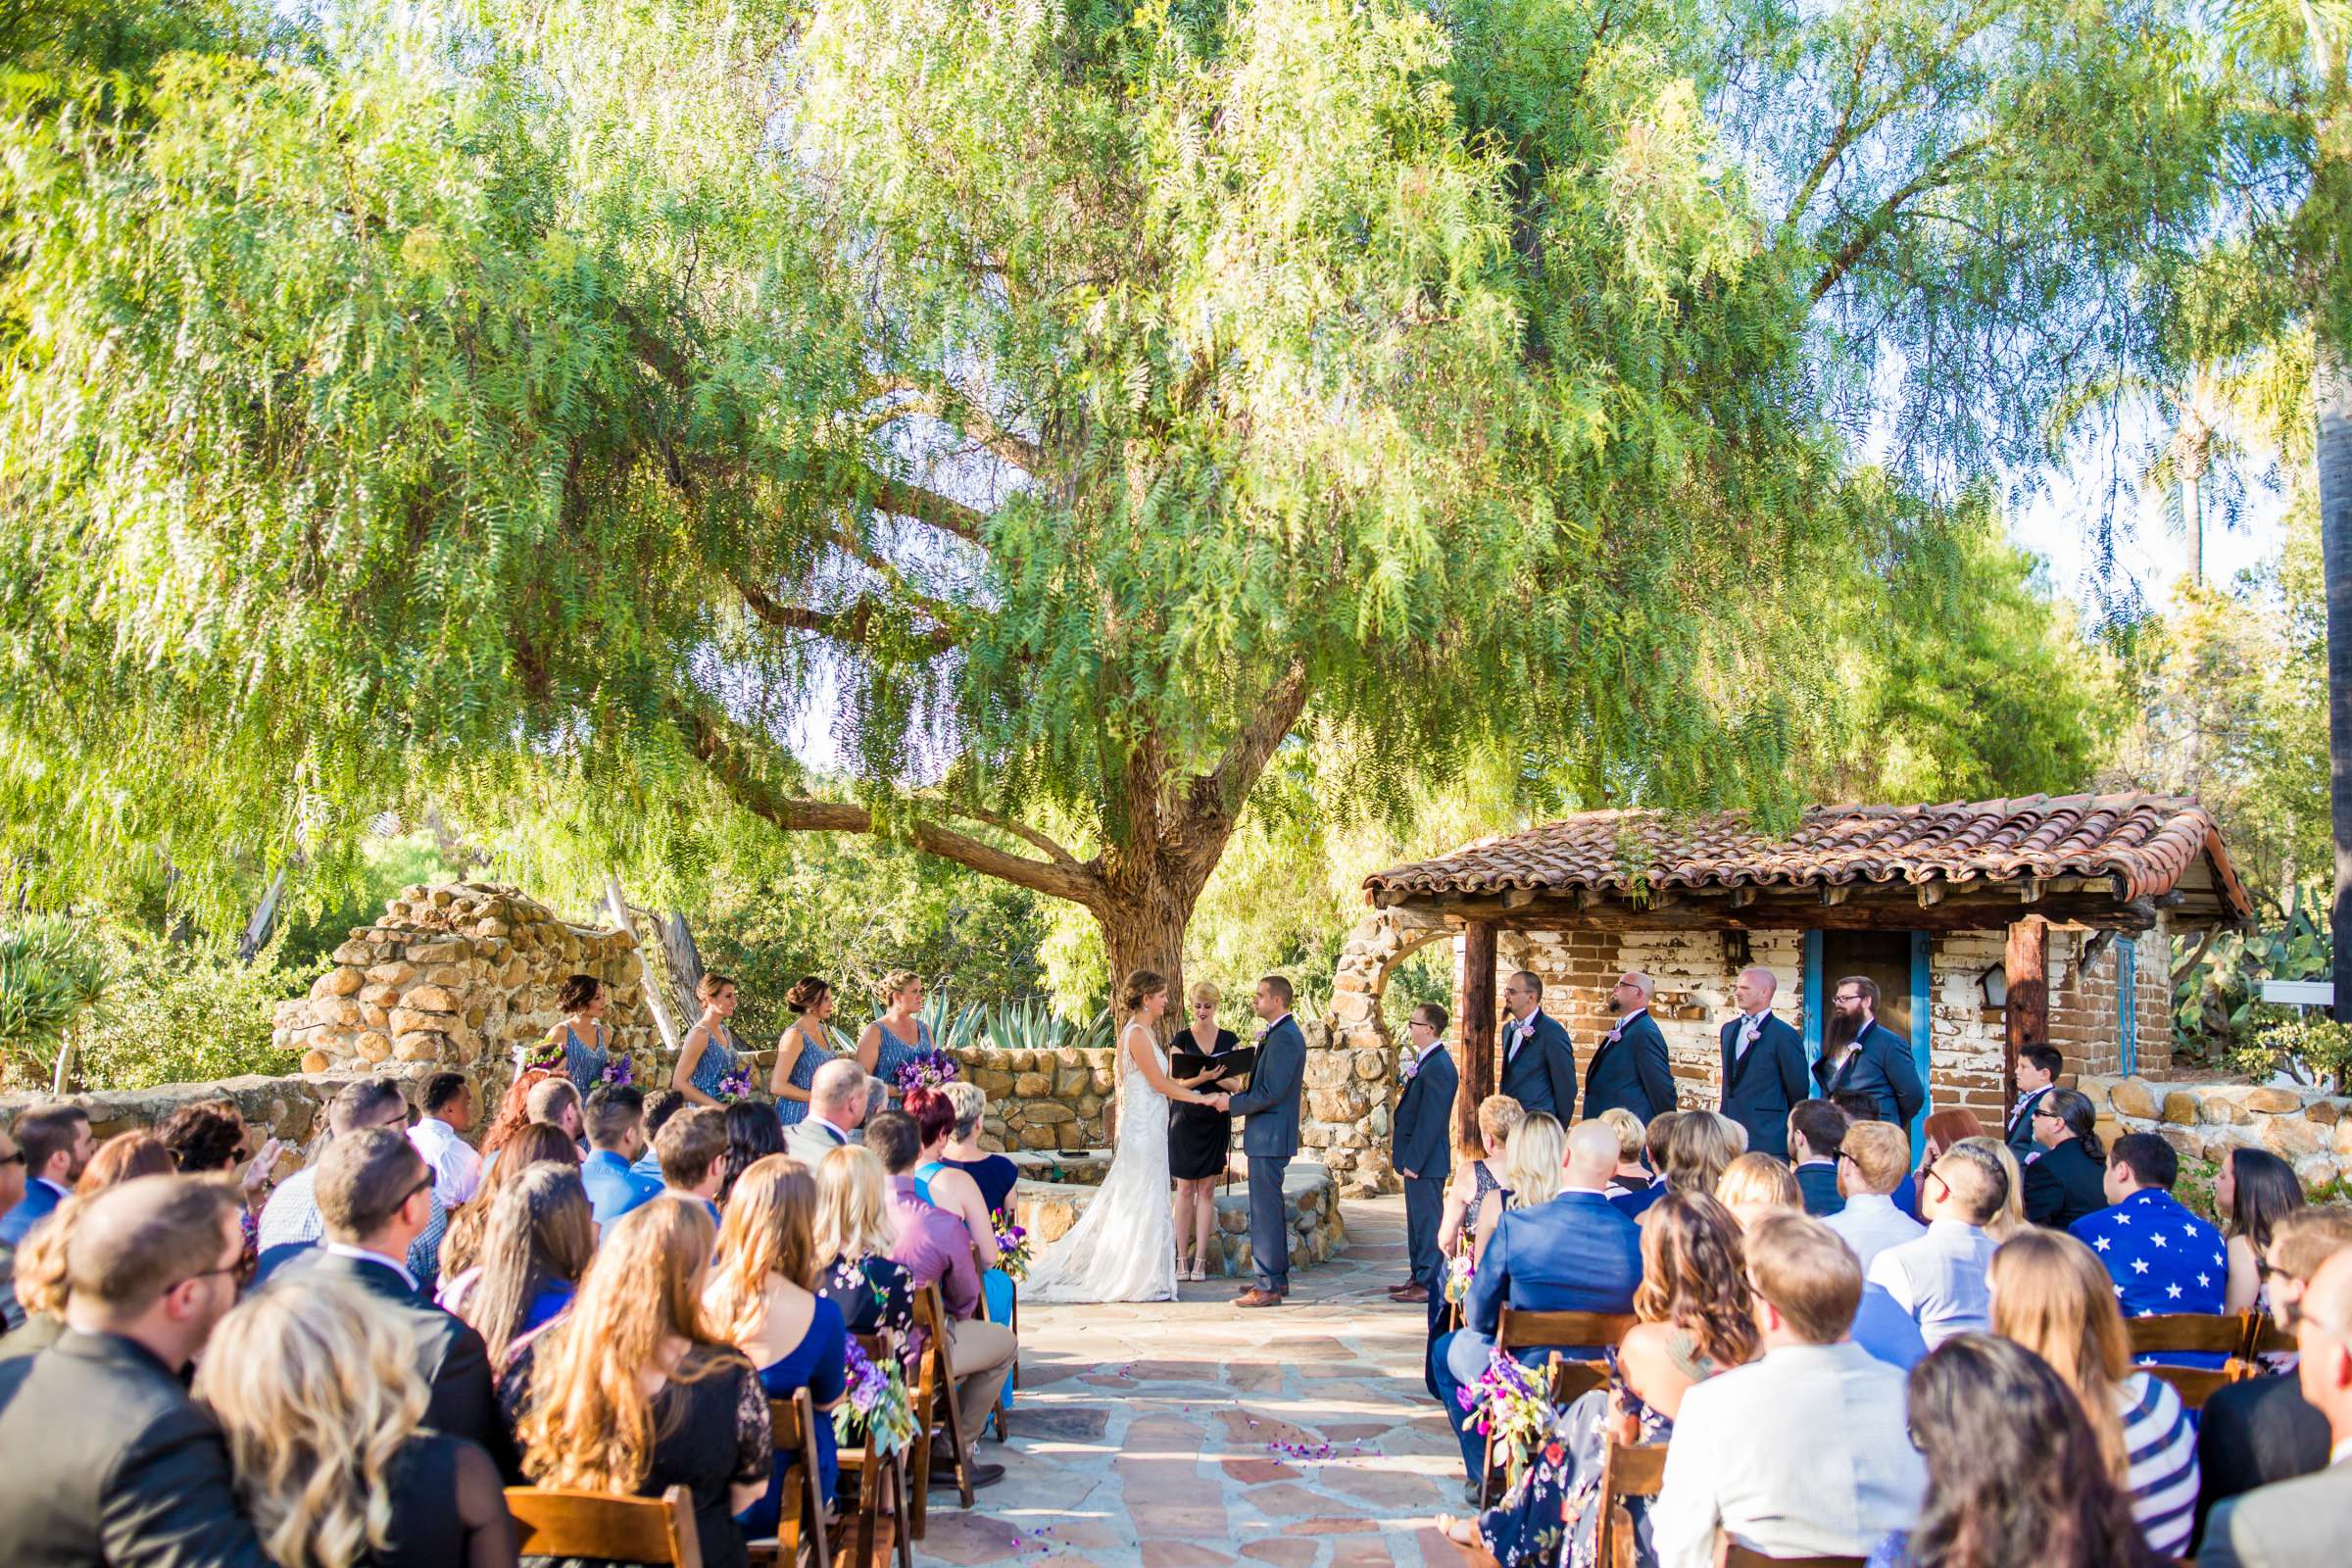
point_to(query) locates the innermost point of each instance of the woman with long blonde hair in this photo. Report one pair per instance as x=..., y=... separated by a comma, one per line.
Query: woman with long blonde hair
x=1756, y=1184
x=1532, y=1170
x=2051, y=1295
x=853, y=1236
x=762, y=1299
x=632, y=1392
x=316, y=1387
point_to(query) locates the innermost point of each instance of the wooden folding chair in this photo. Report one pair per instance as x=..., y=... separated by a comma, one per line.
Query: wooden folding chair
x=552, y=1523
x=802, y=1512
x=2198, y=1384
x=2187, y=1333
x=1527, y=1331
x=1734, y=1555
x=1627, y=1470
x=2264, y=1336
x=934, y=1393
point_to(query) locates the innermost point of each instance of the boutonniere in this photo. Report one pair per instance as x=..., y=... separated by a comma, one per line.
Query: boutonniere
x=1260, y=1037
x=1409, y=1070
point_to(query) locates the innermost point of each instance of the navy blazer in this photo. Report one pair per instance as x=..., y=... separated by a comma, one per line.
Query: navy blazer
x=2064, y=1185
x=1541, y=1074
x=1577, y=1254
x=1817, y=1183
x=1420, y=1138
x=2020, y=1134
x=1632, y=1072
x=1880, y=1065
x=39, y=1202
x=1271, y=1102
x=1761, y=1088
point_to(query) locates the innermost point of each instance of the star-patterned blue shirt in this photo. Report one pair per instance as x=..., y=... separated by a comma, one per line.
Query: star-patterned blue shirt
x=2163, y=1257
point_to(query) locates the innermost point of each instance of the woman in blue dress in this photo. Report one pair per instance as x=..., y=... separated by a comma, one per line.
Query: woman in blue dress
x=580, y=1044
x=801, y=1050
x=762, y=1299
x=709, y=1053
x=900, y=1035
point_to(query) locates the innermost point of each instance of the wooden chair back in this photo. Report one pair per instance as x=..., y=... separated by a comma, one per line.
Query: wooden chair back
x=2187, y=1333
x=2198, y=1384
x=2264, y=1336
x=1734, y=1555
x=1517, y=1330
x=802, y=1511
x=935, y=1409
x=1627, y=1470
x=552, y=1523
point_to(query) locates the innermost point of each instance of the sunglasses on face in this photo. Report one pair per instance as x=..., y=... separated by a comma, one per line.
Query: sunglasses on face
x=15, y=1158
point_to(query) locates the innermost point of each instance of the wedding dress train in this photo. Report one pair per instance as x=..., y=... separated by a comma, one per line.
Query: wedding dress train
x=1124, y=1247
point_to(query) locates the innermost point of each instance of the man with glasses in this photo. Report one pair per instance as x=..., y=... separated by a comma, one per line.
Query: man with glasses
x=1421, y=1147
x=1630, y=1069
x=2068, y=1180
x=1940, y=1278
x=1873, y=1159
x=2305, y=1523
x=2262, y=1430
x=109, y=1460
x=1859, y=1052
x=292, y=1222
x=1538, y=1063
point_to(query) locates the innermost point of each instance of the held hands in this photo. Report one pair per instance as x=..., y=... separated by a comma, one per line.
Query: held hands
x=1216, y=1102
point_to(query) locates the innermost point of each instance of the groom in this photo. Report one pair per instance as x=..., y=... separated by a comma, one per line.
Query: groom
x=1270, y=1136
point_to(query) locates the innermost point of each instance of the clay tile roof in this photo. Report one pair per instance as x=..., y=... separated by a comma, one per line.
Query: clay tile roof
x=2147, y=840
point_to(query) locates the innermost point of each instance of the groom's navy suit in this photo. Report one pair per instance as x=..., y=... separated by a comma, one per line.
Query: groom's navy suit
x=1631, y=1071
x=1540, y=1070
x=1269, y=1138
x=1421, y=1141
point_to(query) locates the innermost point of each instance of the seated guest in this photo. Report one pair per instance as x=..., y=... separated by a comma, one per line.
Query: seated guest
x=1478, y=1172
x=994, y=1174
x=1861, y=1108
x=753, y=1133
x=109, y=1460
x=762, y=1300
x=2163, y=1257
x=853, y=1237
x=539, y=1142
x=1938, y=1133
x=1571, y=1254
x=292, y=1222
x=2011, y=1218
x=554, y=1100
x=2307, y=1522
x=1872, y=1160
x=2068, y=1180
x=1815, y=1133
x=837, y=1105
x=534, y=1252
x=57, y=1146
x=938, y=1251
x=693, y=1147
x=1631, y=1175
x=1655, y=1138
x=316, y=1388
x=1694, y=1322
x=1532, y=1173
x=1805, y=1451
x=659, y=1107
x=1939, y=1278
x=633, y=1393
x=210, y=1136
x=944, y=1187
x=125, y=1157
x=2014, y=1473
x=2253, y=1190
x=41, y=1282
x=2038, y=1070
x=375, y=1197
x=11, y=1193
x=1700, y=1147
x=2253, y=1433
x=514, y=1112
x=2051, y=1296
x=447, y=1106
x=1757, y=1184
x=615, y=1138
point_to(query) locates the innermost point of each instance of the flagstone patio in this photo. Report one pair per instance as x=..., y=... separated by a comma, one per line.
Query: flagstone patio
x=1191, y=1434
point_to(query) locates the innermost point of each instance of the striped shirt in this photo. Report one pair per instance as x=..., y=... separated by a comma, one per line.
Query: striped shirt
x=2163, y=1450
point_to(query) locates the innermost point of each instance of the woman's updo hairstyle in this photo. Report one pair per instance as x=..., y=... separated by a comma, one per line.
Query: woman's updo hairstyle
x=1138, y=984
x=578, y=993
x=896, y=982
x=934, y=1113
x=807, y=995
x=709, y=987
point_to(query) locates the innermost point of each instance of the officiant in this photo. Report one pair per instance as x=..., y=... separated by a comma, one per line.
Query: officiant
x=1200, y=1138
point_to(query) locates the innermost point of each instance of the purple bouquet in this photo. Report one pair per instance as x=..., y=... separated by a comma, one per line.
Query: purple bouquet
x=1510, y=1406
x=876, y=1400
x=736, y=1085
x=1013, y=1244
x=926, y=1069
x=618, y=1071
x=1460, y=1269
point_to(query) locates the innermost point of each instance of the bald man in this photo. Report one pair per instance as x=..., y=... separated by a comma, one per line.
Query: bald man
x=2307, y=1522
x=1763, y=1065
x=1628, y=1069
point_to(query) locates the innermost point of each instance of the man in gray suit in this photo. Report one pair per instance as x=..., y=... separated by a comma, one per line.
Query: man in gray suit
x=2307, y=1522
x=1269, y=1138
x=837, y=1102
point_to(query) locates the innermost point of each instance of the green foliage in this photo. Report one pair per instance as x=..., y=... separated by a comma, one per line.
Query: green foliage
x=1034, y=1025
x=189, y=1014
x=2218, y=1010
x=55, y=980
x=2312, y=1046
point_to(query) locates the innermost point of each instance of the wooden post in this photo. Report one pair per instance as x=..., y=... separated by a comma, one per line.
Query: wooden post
x=1478, y=1026
x=2028, y=1014
x=617, y=905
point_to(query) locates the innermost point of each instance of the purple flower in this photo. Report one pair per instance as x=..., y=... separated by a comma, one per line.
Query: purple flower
x=620, y=1070
x=927, y=1070
x=735, y=1085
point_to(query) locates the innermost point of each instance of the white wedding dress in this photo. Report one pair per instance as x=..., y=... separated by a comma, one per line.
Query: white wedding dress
x=1124, y=1247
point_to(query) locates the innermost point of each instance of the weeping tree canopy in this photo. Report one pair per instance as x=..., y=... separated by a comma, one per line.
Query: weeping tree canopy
x=1042, y=413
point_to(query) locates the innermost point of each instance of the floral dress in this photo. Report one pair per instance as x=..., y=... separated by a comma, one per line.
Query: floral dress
x=719, y=1060
x=894, y=1053
x=813, y=1055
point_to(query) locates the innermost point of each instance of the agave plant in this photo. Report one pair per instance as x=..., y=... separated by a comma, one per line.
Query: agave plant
x=951, y=1027
x=53, y=979
x=1034, y=1025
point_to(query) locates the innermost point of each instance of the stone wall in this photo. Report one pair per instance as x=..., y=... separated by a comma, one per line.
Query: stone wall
x=292, y=1109
x=2309, y=1130
x=1043, y=1099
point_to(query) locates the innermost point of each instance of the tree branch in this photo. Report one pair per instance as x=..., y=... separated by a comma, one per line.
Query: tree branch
x=852, y=626
x=963, y=411
x=1934, y=177
x=1219, y=792
x=1018, y=831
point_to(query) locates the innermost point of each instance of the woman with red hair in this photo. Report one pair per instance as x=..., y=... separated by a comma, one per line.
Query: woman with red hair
x=1943, y=1130
x=944, y=1187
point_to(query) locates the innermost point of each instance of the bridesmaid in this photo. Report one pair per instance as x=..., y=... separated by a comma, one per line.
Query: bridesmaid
x=708, y=1052
x=801, y=1048
x=581, y=1037
x=1200, y=1140
x=899, y=1034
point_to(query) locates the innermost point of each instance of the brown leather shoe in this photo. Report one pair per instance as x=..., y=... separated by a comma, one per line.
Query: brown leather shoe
x=1411, y=1295
x=1258, y=1297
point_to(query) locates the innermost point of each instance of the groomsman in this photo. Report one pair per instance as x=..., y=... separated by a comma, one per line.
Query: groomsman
x=1538, y=1064
x=1629, y=1067
x=1859, y=1052
x=2037, y=1069
x=1421, y=1147
x=1763, y=1065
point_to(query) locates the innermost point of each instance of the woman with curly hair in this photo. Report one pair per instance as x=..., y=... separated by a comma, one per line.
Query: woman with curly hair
x=514, y=1114
x=1700, y=1147
x=316, y=1387
x=632, y=1392
x=579, y=1046
x=211, y=1136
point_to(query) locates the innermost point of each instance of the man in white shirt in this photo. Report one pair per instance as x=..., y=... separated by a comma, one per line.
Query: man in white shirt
x=1939, y=1279
x=1805, y=1451
x=448, y=1106
x=1872, y=1160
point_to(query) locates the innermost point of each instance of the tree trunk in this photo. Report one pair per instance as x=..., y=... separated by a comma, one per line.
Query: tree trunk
x=2331, y=400
x=1148, y=933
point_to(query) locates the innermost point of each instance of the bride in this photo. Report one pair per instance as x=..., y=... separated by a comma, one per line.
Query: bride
x=1124, y=1247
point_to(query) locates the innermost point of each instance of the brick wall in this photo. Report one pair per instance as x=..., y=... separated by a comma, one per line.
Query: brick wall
x=2085, y=1003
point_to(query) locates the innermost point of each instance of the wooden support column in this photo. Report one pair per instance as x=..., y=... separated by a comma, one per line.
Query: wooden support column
x=2027, y=963
x=1478, y=1033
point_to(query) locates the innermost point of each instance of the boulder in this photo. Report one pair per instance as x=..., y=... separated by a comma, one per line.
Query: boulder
x=1032, y=1086
x=2134, y=1097
x=2273, y=1102
x=336, y=982
x=2180, y=1108
x=2292, y=1138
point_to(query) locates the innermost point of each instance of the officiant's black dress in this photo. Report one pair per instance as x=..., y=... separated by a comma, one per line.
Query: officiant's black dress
x=1198, y=1138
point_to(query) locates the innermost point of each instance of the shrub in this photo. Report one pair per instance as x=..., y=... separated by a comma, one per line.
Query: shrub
x=181, y=1014
x=2310, y=1046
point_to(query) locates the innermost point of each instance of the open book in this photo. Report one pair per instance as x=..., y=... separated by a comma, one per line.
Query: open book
x=1235, y=1066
